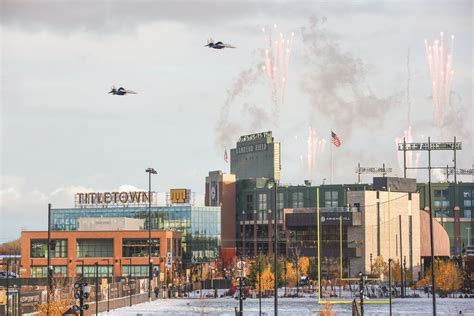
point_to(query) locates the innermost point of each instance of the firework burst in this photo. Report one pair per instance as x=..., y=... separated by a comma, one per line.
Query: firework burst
x=277, y=57
x=440, y=62
x=412, y=160
x=315, y=148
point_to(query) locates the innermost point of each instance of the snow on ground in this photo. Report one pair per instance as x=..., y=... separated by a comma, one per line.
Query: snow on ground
x=308, y=305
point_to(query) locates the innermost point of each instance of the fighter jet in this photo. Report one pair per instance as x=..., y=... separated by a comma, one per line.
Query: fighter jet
x=218, y=45
x=120, y=91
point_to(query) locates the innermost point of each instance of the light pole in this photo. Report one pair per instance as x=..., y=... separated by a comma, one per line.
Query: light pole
x=150, y=171
x=259, y=287
x=274, y=183
x=243, y=234
x=96, y=288
x=50, y=270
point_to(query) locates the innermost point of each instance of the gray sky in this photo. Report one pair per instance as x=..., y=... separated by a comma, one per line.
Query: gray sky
x=62, y=133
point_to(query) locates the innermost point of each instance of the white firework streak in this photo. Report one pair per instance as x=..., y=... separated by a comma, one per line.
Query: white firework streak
x=277, y=57
x=315, y=148
x=412, y=161
x=440, y=62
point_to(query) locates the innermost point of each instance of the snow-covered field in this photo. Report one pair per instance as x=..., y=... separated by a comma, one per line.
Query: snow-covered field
x=308, y=305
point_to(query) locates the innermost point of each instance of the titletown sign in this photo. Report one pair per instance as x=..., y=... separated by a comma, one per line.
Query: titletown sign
x=85, y=199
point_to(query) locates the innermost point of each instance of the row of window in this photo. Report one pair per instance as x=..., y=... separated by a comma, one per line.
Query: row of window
x=331, y=199
x=90, y=271
x=101, y=248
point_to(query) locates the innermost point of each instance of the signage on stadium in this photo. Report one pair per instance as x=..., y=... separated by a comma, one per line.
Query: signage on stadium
x=462, y=172
x=251, y=148
x=179, y=196
x=430, y=146
x=373, y=170
x=113, y=198
x=252, y=137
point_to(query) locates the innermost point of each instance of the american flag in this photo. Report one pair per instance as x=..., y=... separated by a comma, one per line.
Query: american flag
x=335, y=139
x=226, y=159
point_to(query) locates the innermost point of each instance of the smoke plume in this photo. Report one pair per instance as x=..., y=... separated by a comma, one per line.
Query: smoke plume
x=227, y=131
x=336, y=81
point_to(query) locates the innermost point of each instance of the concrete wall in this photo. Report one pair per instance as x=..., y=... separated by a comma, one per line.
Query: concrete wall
x=402, y=205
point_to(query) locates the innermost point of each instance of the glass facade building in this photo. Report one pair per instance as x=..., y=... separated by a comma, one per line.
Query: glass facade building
x=200, y=226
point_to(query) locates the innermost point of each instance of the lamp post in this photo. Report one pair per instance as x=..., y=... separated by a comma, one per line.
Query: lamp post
x=150, y=171
x=96, y=288
x=243, y=234
x=274, y=183
x=8, y=285
x=259, y=287
x=49, y=269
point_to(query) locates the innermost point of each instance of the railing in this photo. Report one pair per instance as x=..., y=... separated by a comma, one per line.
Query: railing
x=119, y=302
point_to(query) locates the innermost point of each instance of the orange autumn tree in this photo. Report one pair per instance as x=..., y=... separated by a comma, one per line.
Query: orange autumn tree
x=290, y=274
x=448, y=277
x=380, y=266
x=304, y=266
x=267, y=280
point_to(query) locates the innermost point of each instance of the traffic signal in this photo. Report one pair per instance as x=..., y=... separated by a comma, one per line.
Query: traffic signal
x=81, y=292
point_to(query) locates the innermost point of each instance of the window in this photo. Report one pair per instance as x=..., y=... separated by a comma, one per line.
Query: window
x=297, y=199
x=95, y=248
x=139, y=248
x=90, y=271
x=42, y=272
x=136, y=271
x=39, y=248
x=249, y=203
x=331, y=199
x=281, y=200
x=467, y=213
x=262, y=201
x=467, y=203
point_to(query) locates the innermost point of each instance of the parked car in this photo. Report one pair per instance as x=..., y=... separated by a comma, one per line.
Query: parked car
x=304, y=280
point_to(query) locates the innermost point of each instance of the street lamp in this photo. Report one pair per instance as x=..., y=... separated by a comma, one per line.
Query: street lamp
x=274, y=183
x=150, y=171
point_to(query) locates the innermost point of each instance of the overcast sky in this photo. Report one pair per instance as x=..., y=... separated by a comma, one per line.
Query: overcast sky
x=61, y=133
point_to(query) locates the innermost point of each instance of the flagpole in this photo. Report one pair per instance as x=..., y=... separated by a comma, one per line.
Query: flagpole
x=330, y=153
